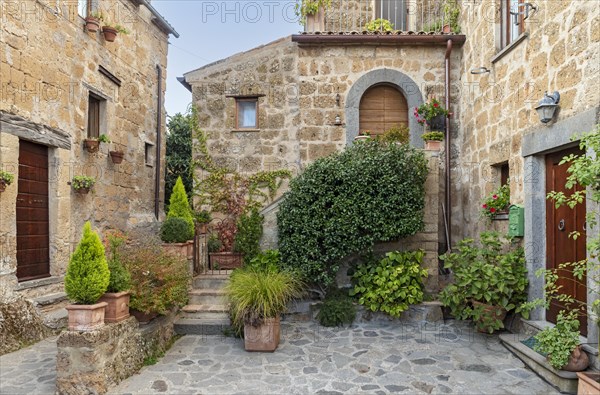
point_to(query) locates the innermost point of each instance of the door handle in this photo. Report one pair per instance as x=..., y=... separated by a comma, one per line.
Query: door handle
x=561, y=225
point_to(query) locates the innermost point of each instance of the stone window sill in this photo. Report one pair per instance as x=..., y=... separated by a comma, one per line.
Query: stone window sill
x=509, y=47
x=245, y=130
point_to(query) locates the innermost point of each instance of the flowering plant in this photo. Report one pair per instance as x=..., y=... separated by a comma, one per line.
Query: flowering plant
x=427, y=111
x=497, y=201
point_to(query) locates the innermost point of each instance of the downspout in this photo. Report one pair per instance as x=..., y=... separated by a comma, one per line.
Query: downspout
x=158, y=142
x=448, y=145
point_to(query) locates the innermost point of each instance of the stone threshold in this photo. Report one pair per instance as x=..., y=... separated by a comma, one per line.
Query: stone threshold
x=39, y=283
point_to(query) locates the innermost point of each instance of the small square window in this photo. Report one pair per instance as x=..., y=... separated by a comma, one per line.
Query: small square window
x=247, y=113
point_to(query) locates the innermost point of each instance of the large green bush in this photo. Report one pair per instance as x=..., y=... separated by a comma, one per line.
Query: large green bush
x=87, y=274
x=179, y=206
x=344, y=203
x=249, y=232
x=176, y=230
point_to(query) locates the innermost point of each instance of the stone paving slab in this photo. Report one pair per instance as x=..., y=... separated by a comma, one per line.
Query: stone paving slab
x=31, y=370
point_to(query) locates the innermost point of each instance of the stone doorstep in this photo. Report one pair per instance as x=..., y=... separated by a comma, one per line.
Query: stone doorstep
x=193, y=326
x=564, y=381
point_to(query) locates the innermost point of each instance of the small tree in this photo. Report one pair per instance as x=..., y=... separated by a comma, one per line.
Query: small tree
x=179, y=153
x=179, y=207
x=87, y=274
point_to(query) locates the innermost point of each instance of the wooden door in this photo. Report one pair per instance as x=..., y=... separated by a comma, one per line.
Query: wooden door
x=33, y=256
x=381, y=108
x=560, y=247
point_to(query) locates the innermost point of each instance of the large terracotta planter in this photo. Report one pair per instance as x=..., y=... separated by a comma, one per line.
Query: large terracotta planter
x=578, y=361
x=263, y=338
x=315, y=22
x=86, y=318
x=117, y=308
x=489, y=311
x=224, y=260
x=184, y=250
x=589, y=383
x=433, y=145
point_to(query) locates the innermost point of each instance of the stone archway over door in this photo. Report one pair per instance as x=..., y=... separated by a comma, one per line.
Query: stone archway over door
x=382, y=107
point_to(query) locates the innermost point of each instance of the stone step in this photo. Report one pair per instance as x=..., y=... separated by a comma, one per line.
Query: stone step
x=208, y=281
x=51, y=302
x=192, y=326
x=208, y=297
x=56, y=319
x=208, y=312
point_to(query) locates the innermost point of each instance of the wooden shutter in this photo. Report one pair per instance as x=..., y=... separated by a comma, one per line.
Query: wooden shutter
x=93, y=117
x=381, y=108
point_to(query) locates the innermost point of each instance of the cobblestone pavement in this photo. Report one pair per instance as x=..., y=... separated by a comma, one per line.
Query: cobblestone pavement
x=369, y=358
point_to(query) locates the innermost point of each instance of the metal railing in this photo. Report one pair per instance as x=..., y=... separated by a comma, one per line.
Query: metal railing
x=345, y=16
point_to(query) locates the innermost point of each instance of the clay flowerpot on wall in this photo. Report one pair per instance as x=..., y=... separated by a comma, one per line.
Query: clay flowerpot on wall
x=2, y=186
x=92, y=24
x=264, y=337
x=91, y=145
x=117, y=157
x=110, y=33
x=446, y=29
x=433, y=145
x=83, y=191
x=184, y=250
x=86, y=318
x=589, y=383
x=117, y=306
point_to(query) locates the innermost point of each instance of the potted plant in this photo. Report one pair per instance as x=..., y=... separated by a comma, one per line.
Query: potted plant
x=178, y=229
x=258, y=294
x=497, y=202
x=110, y=31
x=93, y=144
x=117, y=294
x=82, y=184
x=201, y=220
x=431, y=115
x=92, y=21
x=396, y=134
x=117, y=156
x=489, y=280
x=86, y=280
x=225, y=257
x=5, y=179
x=433, y=140
x=364, y=135
x=379, y=25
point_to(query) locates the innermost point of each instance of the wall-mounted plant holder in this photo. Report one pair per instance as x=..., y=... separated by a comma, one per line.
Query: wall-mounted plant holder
x=82, y=184
x=5, y=179
x=117, y=157
x=91, y=145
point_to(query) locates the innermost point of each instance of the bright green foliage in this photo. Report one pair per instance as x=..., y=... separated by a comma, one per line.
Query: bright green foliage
x=87, y=274
x=344, y=203
x=267, y=261
x=6, y=177
x=159, y=280
x=249, y=232
x=79, y=182
x=559, y=341
x=493, y=273
x=396, y=134
x=179, y=207
x=257, y=293
x=179, y=153
x=497, y=201
x=120, y=279
x=176, y=230
x=433, y=136
x=392, y=284
x=379, y=25
x=337, y=309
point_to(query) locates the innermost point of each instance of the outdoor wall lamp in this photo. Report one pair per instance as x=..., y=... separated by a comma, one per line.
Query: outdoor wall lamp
x=516, y=13
x=480, y=70
x=338, y=120
x=547, y=106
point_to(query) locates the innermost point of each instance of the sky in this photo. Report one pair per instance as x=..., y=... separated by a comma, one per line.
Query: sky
x=210, y=30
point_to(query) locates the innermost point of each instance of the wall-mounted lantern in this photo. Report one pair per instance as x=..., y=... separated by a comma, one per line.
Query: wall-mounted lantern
x=547, y=106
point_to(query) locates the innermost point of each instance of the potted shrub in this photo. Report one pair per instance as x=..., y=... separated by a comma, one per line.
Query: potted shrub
x=117, y=295
x=396, y=134
x=175, y=234
x=92, y=145
x=92, y=21
x=110, y=31
x=433, y=140
x=86, y=280
x=258, y=294
x=201, y=220
x=225, y=257
x=176, y=231
x=497, y=202
x=250, y=231
x=379, y=25
x=82, y=184
x=5, y=179
x=431, y=115
x=364, y=135
x=312, y=14
x=489, y=281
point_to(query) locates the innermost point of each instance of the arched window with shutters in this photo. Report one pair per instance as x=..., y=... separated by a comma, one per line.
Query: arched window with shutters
x=381, y=108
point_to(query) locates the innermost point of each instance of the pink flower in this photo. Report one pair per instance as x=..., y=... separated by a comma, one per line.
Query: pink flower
x=484, y=206
x=495, y=197
x=492, y=210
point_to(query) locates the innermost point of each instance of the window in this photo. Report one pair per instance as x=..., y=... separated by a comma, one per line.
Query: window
x=149, y=154
x=392, y=10
x=246, y=113
x=94, y=104
x=381, y=108
x=512, y=21
x=84, y=7
x=504, y=174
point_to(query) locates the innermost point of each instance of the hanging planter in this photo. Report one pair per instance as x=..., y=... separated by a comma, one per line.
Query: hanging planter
x=110, y=32
x=83, y=184
x=5, y=179
x=92, y=24
x=91, y=145
x=117, y=157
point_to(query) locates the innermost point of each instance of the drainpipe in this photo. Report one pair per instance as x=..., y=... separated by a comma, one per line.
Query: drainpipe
x=158, y=142
x=448, y=145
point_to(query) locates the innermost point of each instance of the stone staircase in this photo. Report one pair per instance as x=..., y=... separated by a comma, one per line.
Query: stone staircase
x=52, y=309
x=207, y=311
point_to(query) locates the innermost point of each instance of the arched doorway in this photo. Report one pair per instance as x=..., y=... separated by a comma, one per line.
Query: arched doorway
x=381, y=108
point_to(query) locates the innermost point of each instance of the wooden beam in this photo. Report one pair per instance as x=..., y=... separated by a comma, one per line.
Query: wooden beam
x=34, y=132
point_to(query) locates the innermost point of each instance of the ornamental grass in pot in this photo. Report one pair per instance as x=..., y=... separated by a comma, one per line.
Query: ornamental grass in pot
x=86, y=281
x=117, y=294
x=258, y=293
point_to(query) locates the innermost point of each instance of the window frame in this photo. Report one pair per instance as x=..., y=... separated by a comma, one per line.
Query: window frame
x=88, y=7
x=94, y=114
x=246, y=99
x=507, y=34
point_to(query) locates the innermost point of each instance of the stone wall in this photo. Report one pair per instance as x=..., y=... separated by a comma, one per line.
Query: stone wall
x=49, y=64
x=561, y=52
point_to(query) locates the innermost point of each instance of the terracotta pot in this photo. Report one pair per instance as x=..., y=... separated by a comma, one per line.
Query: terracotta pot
x=110, y=33
x=91, y=145
x=263, y=338
x=224, y=260
x=490, y=311
x=143, y=318
x=117, y=156
x=433, y=145
x=362, y=138
x=446, y=29
x=578, y=360
x=117, y=308
x=92, y=24
x=2, y=185
x=86, y=318
x=589, y=383
x=83, y=191
x=184, y=250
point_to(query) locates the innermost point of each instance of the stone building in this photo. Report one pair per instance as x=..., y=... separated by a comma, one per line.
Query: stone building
x=61, y=84
x=289, y=102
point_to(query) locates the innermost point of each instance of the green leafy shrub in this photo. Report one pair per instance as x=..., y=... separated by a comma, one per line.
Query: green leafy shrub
x=214, y=243
x=249, y=232
x=493, y=273
x=179, y=207
x=6, y=177
x=392, y=284
x=176, y=230
x=202, y=217
x=344, y=203
x=558, y=342
x=267, y=261
x=120, y=279
x=337, y=309
x=433, y=136
x=87, y=274
x=396, y=134
x=379, y=25
x=159, y=280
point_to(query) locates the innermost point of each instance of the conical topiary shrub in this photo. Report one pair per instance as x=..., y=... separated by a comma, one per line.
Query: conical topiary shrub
x=87, y=274
x=179, y=207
